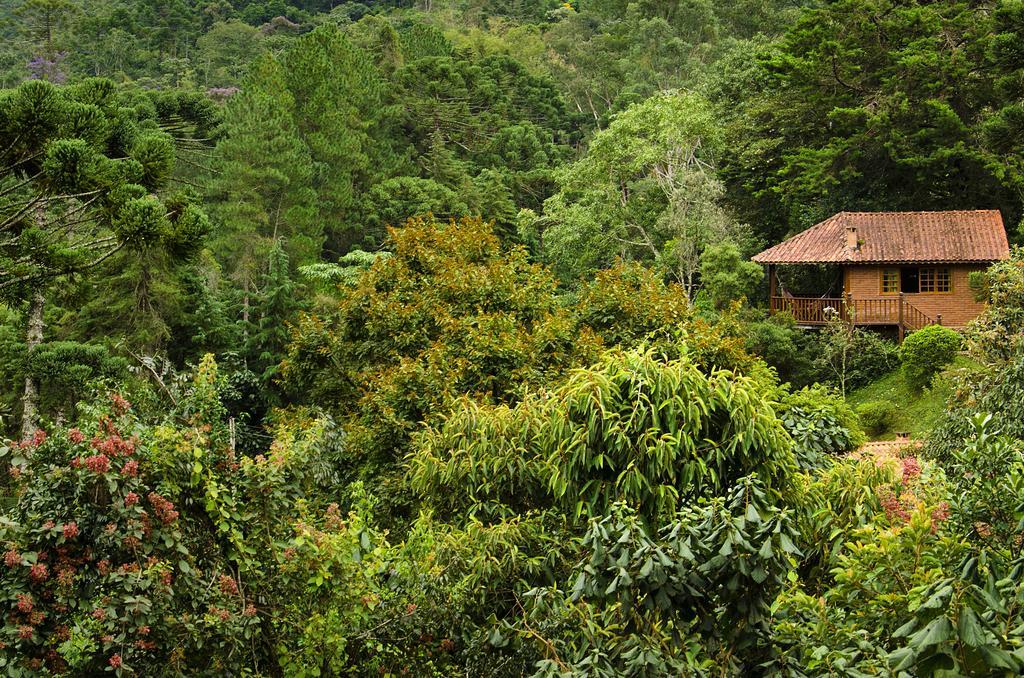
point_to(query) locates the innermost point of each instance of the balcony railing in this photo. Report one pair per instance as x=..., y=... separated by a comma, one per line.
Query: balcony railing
x=870, y=311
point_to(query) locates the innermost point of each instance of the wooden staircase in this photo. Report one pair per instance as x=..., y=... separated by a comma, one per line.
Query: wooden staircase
x=912, y=319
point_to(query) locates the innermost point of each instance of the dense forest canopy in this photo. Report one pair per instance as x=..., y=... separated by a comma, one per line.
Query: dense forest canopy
x=421, y=337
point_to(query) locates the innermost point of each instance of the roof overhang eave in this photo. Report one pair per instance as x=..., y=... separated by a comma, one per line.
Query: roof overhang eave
x=872, y=262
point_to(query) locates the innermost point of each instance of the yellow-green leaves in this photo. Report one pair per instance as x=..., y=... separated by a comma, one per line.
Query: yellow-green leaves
x=634, y=427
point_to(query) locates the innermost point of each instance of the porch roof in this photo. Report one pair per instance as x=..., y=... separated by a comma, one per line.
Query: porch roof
x=975, y=236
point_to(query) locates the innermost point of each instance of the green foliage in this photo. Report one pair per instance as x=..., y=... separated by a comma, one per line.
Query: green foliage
x=726, y=276
x=965, y=624
x=393, y=201
x=851, y=627
x=877, y=416
x=918, y=411
x=836, y=120
x=450, y=312
x=833, y=502
x=821, y=424
x=981, y=391
x=225, y=51
x=345, y=272
x=274, y=305
x=987, y=476
x=694, y=594
x=262, y=192
x=994, y=337
x=338, y=113
x=852, y=357
x=79, y=174
x=925, y=352
x=628, y=302
x=646, y=187
x=631, y=428
x=782, y=345
x=610, y=482
x=993, y=385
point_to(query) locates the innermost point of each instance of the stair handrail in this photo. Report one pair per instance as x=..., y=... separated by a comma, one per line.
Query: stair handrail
x=917, y=318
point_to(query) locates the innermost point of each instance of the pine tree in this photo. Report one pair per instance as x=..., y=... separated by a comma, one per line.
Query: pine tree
x=493, y=201
x=337, y=93
x=263, y=190
x=440, y=164
x=275, y=303
x=79, y=182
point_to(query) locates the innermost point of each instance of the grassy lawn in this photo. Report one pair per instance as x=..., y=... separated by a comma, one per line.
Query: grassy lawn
x=916, y=411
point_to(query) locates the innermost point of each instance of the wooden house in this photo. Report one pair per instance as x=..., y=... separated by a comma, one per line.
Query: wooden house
x=903, y=270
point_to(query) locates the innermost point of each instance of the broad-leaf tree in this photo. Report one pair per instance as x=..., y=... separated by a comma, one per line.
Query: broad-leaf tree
x=646, y=189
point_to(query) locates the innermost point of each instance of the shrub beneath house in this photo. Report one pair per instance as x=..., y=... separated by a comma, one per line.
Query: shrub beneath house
x=926, y=352
x=852, y=357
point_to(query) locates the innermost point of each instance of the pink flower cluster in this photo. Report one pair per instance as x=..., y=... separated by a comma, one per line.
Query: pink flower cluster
x=37, y=439
x=219, y=613
x=76, y=436
x=894, y=507
x=120, y=405
x=939, y=514
x=65, y=576
x=911, y=469
x=39, y=572
x=131, y=499
x=70, y=530
x=24, y=603
x=228, y=586
x=98, y=463
x=163, y=509
x=114, y=445
x=12, y=558
x=130, y=468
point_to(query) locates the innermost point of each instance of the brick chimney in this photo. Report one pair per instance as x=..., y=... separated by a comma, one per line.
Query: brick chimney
x=851, y=239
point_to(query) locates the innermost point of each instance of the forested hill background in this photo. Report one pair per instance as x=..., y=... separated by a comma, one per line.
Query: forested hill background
x=421, y=338
x=585, y=131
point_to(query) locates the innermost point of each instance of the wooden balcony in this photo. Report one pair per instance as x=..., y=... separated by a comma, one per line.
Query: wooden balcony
x=894, y=311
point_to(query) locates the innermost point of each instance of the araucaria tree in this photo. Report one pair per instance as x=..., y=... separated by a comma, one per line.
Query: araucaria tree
x=80, y=180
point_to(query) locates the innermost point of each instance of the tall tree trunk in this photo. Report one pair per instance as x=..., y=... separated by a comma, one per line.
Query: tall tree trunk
x=33, y=337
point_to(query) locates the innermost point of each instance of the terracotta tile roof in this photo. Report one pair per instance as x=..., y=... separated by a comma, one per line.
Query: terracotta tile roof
x=896, y=237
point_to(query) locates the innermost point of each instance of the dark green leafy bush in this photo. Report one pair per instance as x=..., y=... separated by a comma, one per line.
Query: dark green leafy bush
x=790, y=350
x=926, y=352
x=694, y=593
x=877, y=417
x=997, y=335
x=987, y=476
x=821, y=425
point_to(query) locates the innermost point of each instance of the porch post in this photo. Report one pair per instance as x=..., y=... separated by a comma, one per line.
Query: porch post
x=771, y=286
x=901, y=330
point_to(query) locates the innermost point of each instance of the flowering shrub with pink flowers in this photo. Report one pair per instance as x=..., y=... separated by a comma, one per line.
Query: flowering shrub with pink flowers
x=97, y=573
x=143, y=549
